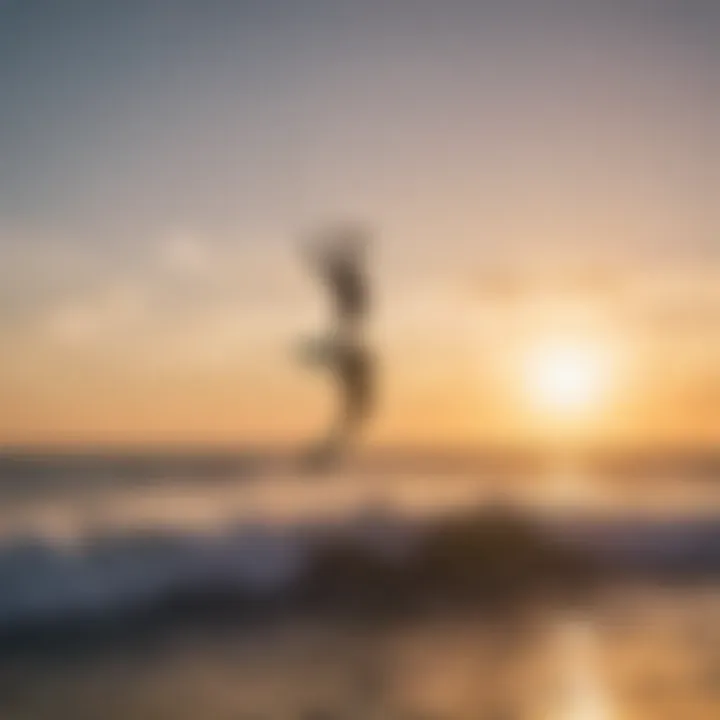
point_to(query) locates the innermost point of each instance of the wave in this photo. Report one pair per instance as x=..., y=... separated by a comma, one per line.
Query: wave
x=112, y=575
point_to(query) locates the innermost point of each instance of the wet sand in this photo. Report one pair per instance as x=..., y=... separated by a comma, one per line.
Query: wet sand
x=635, y=654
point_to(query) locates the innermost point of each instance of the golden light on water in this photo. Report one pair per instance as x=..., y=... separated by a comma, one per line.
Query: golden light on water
x=584, y=696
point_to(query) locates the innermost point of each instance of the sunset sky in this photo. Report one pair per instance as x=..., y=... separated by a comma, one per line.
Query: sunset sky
x=542, y=176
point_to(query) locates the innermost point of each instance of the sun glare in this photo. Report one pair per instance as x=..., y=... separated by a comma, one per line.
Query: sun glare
x=565, y=376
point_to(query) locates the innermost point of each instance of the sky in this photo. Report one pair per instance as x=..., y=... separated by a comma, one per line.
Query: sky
x=531, y=170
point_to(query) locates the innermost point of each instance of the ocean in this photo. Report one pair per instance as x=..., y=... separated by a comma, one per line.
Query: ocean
x=163, y=585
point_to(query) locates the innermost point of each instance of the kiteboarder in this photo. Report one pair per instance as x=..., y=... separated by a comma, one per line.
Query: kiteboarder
x=340, y=260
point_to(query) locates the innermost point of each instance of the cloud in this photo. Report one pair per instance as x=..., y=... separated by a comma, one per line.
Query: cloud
x=186, y=255
x=102, y=314
x=678, y=301
x=514, y=285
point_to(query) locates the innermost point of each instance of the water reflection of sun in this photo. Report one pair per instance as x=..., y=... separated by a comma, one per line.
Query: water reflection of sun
x=584, y=697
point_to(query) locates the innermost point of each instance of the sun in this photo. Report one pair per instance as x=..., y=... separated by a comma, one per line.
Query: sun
x=566, y=376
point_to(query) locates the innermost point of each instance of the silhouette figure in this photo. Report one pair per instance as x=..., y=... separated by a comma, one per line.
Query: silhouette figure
x=340, y=261
x=342, y=264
